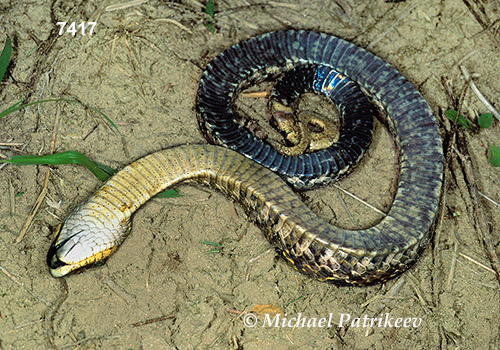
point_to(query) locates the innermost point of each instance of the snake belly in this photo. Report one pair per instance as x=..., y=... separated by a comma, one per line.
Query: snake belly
x=265, y=57
x=356, y=122
x=273, y=53
x=96, y=227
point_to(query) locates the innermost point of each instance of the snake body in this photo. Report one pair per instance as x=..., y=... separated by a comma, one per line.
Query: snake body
x=95, y=228
x=294, y=53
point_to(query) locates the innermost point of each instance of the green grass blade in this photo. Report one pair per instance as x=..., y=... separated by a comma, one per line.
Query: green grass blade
x=213, y=244
x=16, y=107
x=31, y=51
x=294, y=300
x=494, y=156
x=10, y=109
x=70, y=157
x=210, y=11
x=109, y=170
x=102, y=172
x=210, y=8
x=97, y=111
x=5, y=57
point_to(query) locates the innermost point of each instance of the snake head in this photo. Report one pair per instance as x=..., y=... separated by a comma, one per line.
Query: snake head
x=82, y=240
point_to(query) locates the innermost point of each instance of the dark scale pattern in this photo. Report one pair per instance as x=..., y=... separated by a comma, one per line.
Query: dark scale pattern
x=356, y=115
x=96, y=227
x=317, y=58
x=255, y=60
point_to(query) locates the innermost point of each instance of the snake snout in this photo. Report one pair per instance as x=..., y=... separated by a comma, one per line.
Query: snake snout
x=73, y=249
x=64, y=253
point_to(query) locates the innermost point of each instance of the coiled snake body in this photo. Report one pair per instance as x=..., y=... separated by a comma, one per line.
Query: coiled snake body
x=96, y=227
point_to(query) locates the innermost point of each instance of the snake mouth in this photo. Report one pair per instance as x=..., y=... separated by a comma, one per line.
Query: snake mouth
x=58, y=267
x=53, y=259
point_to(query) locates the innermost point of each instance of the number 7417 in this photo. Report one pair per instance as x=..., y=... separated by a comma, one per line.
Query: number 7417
x=73, y=28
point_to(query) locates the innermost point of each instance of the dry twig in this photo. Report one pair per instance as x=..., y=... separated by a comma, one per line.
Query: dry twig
x=16, y=281
x=478, y=93
x=124, y=5
x=478, y=217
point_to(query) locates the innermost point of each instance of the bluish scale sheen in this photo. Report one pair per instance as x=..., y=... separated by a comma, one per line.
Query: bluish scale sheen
x=343, y=72
x=302, y=59
x=326, y=80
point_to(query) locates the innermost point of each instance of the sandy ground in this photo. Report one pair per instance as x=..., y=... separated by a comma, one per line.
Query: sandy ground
x=163, y=289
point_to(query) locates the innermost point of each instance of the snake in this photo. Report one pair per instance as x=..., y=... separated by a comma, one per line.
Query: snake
x=258, y=59
x=96, y=227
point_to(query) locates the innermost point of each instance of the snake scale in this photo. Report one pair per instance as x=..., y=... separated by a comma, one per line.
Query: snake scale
x=95, y=228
